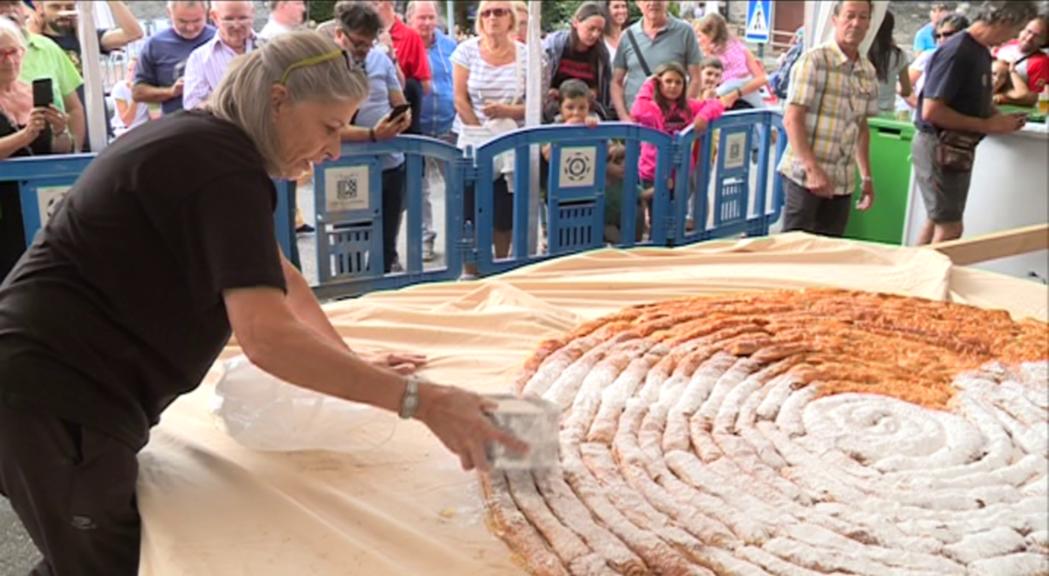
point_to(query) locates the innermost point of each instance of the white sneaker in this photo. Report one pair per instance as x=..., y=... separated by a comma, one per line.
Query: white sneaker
x=429, y=255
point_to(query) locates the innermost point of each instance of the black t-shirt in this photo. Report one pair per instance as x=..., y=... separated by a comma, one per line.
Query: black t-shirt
x=70, y=44
x=578, y=65
x=959, y=74
x=116, y=308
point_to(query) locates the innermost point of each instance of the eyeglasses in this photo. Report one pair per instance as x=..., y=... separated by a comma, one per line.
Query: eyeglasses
x=494, y=13
x=945, y=34
x=359, y=43
x=313, y=61
x=10, y=53
x=234, y=20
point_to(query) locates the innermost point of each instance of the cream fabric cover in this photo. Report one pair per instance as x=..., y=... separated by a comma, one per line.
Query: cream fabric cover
x=210, y=506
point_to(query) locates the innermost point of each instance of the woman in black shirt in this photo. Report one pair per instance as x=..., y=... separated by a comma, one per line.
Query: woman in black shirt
x=162, y=248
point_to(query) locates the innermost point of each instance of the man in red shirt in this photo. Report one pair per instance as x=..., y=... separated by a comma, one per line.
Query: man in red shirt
x=1025, y=55
x=409, y=53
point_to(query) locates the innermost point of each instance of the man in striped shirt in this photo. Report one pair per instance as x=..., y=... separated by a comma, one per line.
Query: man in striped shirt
x=833, y=90
x=207, y=65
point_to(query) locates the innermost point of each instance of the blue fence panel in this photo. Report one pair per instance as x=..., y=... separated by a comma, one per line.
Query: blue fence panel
x=349, y=204
x=576, y=185
x=728, y=189
x=349, y=194
x=44, y=180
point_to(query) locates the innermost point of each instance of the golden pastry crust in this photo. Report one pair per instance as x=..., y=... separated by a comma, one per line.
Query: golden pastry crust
x=809, y=432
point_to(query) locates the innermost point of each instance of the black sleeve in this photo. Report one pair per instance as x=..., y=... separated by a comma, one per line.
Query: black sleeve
x=101, y=33
x=229, y=236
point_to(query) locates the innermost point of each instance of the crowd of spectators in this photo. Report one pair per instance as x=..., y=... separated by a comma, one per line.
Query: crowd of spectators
x=465, y=88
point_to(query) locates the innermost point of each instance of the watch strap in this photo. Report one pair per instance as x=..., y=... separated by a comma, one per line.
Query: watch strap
x=410, y=399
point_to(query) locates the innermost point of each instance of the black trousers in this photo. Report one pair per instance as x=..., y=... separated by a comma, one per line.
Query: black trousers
x=73, y=488
x=810, y=213
x=393, y=194
x=413, y=93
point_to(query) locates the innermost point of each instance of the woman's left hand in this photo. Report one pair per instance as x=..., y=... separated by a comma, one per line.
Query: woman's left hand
x=400, y=362
x=496, y=110
x=57, y=119
x=700, y=124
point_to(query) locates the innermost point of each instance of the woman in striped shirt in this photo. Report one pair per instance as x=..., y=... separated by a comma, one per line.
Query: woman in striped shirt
x=488, y=75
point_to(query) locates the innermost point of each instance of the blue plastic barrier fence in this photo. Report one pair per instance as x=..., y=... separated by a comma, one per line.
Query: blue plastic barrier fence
x=724, y=192
x=576, y=190
x=42, y=181
x=348, y=198
x=726, y=195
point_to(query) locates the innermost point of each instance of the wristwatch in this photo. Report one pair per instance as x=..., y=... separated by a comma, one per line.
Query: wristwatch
x=410, y=399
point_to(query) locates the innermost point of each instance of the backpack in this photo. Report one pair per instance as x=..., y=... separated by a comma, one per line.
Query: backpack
x=780, y=79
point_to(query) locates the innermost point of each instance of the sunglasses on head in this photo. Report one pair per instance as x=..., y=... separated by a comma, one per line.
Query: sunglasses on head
x=945, y=34
x=495, y=12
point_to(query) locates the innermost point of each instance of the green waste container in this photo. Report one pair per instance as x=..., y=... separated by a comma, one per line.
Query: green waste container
x=891, y=170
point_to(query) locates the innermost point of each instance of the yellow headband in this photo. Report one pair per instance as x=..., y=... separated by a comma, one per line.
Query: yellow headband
x=312, y=60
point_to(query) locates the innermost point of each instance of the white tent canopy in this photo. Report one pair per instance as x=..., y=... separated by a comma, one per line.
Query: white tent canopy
x=819, y=28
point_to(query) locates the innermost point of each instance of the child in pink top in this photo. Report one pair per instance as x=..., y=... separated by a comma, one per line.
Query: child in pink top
x=662, y=104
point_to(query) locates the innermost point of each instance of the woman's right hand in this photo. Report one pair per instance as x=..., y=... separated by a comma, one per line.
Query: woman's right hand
x=460, y=420
x=35, y=125
x=388, y=128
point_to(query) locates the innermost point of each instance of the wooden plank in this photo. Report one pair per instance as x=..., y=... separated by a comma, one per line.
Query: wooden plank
x=996, y=245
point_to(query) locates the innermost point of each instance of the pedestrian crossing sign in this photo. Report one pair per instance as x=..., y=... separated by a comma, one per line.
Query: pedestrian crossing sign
x=759, y=21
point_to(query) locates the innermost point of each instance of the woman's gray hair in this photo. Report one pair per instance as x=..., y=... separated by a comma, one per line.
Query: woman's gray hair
x=243, y=96
x=8, y=27
x=1011, y=13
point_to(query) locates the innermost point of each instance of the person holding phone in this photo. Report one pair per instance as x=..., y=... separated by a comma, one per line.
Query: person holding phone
x=384, y=114
x=29, y=126
x=955, y=111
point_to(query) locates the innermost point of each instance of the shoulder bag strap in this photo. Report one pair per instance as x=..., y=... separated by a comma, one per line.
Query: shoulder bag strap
x=637, y=52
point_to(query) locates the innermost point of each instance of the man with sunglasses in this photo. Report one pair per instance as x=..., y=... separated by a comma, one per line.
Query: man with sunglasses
x=955, y=112
x=925, y=40
x=947, y=26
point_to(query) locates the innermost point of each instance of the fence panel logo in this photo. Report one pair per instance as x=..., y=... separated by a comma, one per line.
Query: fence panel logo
x=346, y=189
x=577, y=167
x=736, y=150
x=48, y=198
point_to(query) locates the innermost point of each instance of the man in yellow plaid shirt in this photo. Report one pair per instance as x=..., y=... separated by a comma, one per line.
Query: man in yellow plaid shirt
x=833, y=90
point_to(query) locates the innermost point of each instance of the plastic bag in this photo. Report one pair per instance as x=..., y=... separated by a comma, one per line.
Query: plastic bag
x=262, y=412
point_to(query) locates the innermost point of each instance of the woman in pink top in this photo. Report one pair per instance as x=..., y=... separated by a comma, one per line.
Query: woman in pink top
x=742, y=71
x=662, y=104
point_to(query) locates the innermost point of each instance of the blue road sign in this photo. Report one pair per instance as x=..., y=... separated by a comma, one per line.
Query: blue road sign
x=759, y=21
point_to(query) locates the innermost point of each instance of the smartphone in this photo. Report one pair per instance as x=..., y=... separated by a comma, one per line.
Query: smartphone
x=42, y=94
x=399, y=111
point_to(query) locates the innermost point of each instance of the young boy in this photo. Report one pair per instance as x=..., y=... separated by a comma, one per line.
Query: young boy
x=574, y=109
x=711, y=71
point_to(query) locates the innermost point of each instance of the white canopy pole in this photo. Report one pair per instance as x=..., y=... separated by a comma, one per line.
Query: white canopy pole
x=95, y=106
x=534, y=114
x=450, y=7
